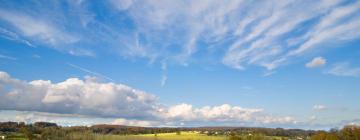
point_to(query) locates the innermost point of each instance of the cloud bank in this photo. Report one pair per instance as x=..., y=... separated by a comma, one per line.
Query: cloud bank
x=75, y=96
x=124, y=104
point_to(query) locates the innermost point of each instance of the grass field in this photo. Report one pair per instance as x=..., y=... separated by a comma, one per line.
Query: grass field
x=15, y=136
x=162, y=136
x=159, y=136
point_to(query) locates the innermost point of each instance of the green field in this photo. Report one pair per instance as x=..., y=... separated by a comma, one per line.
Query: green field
x=162, y=136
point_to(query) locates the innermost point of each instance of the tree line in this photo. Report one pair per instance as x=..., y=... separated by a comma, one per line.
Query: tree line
x=47, y=130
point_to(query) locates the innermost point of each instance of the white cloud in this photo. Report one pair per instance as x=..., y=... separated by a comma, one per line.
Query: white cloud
x=133, y=122
x=334, y=26
x=263, y=45
x=344, y=69
x=316, y=62
x=319, y=107
x=60, y=119
x=75, y=96
x=125, y=105
x=39, y=30
x=35, y=28
x=224, y=113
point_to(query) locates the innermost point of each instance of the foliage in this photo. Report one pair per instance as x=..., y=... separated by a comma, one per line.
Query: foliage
x=347, y=133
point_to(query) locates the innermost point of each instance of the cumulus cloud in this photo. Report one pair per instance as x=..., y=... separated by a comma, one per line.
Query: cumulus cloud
x=319, y=107
x=223, y=113
x=75, y=96
x=125, y=105
x=316, y=62
x=344, y=69
x=134, y=122
x=60, y=119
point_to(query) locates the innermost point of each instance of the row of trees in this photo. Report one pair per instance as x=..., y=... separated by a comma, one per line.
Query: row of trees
x=46, y=130
x=347, y=133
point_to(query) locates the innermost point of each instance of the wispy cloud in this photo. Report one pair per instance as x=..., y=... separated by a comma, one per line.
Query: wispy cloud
x=340, y=24
x=36, y=56
x=163, y=80
x=164, y=74
x=319, y=107
x=13, y=36
x=7, y=57
x=186, y=32
x=265, y=44
x=316, y=62
x=90, y=72
x=344, y=69
x=37, y=29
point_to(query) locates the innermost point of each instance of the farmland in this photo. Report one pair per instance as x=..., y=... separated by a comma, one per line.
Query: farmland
x=51, y=131
x=184, y=135
x=162, y=136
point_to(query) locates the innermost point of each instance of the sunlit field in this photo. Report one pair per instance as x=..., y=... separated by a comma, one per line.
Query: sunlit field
x=194, y=136
x=162, y=136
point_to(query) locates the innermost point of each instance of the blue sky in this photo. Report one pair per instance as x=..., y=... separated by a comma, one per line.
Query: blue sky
x=184, y=63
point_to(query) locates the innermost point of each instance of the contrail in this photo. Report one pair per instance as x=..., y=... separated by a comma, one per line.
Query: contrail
x=91, y=72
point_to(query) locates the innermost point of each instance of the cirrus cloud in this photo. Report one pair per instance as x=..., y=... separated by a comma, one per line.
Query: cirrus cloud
x=234, y=33
x=344, y=69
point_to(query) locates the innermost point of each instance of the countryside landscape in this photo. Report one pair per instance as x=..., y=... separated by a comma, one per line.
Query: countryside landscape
x=179, y=69
x=46, y=130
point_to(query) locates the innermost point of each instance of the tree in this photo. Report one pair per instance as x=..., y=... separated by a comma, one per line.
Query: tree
x=322, y=135
x=178, y=132
x=350, y=132
x=25, y=130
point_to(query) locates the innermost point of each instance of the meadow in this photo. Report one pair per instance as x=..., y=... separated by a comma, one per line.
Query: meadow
x=162, y=136
x=50, y=131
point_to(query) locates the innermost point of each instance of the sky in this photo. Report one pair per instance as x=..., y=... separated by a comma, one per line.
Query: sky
x=287, y=63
